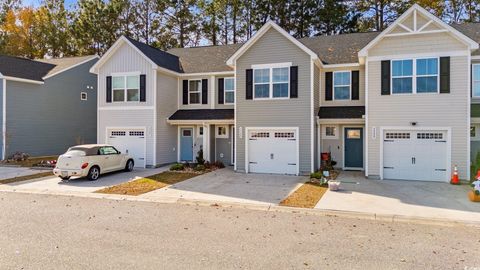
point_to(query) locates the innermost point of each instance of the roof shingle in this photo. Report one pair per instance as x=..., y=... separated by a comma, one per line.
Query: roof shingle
x=24, y=68
x=203, y=114
x=341, y=112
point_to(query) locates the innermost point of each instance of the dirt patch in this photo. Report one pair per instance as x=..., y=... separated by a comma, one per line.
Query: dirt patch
x=149, y=183
x=30, y=162
x=306, y=196
x=26, y=177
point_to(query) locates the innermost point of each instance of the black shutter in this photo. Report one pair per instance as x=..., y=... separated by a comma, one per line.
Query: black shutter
x=249, y=84
x=385, y=77
x=355, y=85
x=143, y=83
x=444, y=75
x=221, y=89
x=294, y=82
x=109, y=89
x=328, y=85
x=185, y=92
x=204, y=91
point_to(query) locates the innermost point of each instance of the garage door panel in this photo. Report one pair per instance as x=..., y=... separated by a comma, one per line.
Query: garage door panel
x=131, y=142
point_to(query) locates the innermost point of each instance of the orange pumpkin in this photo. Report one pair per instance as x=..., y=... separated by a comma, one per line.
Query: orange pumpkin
x=473, y=197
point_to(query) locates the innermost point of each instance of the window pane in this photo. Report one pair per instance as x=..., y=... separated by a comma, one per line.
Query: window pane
x=118, y=95
x=401, y=85
x=472, y=131
x=194, y=86
x=229, y=84
x=476, y=72
x=280, y=74
x=402, y=68
x=427, y=66
x=261, y=75
x=427, y=84
x=133, y=82
x=280, y=90
x=342, y=92
x=118, y=82
x=262, y=91
x=132, y=95
x=194, y=98
x=342, y=78
x=330, y=131
x=229, y=97
x=476, y=89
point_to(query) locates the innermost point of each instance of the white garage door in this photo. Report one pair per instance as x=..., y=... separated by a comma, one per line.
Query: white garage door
x=415, y=155
x=272, y=151
x=131, y=142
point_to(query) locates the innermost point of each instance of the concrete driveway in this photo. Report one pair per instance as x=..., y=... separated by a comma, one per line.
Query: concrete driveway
x=406, y=198
x=227, y=186
x=56, y=185
x=11, y=172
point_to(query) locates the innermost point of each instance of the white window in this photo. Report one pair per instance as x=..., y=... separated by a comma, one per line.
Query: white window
x=271, y=82
x=83, y=96
x=427, y=75
x=476, y=80
x=126, y=88
x=222, y=132
x=341, y=85
x=195, y=91
x=402, y=76
x=229, y=90
x=200, y=131
x=330, y=132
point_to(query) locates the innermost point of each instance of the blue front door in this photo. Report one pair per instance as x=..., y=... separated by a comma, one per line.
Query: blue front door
x=353, y=148
x=186, y=144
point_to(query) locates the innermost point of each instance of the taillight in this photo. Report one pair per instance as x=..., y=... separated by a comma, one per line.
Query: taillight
x=84, y=165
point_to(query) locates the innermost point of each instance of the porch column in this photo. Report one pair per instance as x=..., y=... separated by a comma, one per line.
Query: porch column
x=206, y=142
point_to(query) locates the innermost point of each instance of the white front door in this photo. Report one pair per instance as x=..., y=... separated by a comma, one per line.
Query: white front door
x=272, y=151
x=129, y=141
x=415, y=155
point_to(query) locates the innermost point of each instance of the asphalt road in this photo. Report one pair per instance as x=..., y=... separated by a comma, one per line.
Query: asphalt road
x=56, y=232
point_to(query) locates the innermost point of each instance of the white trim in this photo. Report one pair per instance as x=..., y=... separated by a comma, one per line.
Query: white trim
x=272, y=65
x=155, y=97
x=130, y=73
x=270, y=83
x=122, y=108
x=203, y=74
x=327, y=121
x=416, y=33
x=418, y=55
x=81, y=96
x=4, y=119
x=425, y=25
x=414, y=76
x=143, y=128
x=469, y=119
x=473, y=45
x=199, y=92
x=349, y=85
x=406, y=28
x=343, y=147
x=232, y=149
x=475, y=120
x=366, y=131
x=70, y=67
x=235, y=124
x=198, y=122
x=225, y=91
x=217, y=136
x=179, y=144
x=347, y=65
x=125, y=88
x=205, y=141
x=475, y=57
x=231, y=61
x=16, y=79
x=198, y=131
x=410, y=128
x=312, y=115
x=211, y=89
x=297, y=134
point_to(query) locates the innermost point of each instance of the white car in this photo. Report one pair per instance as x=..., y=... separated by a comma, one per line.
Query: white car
x=91, y=160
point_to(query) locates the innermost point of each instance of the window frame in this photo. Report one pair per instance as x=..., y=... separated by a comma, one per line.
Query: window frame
x=199, y=92
x=349, y=85
x=474, y=81
x=200, y=128
x=125, y=88
x=223, y=136
x=330, y=137
x=415, y=76
x=230, y=91
x=83, y=98
x=270, y=83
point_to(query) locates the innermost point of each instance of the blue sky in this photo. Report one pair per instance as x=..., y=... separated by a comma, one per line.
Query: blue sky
x=36, y=3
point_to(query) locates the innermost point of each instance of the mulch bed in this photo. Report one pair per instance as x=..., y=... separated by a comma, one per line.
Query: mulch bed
x=30, y=162
x=306, y=196
x=26, y=177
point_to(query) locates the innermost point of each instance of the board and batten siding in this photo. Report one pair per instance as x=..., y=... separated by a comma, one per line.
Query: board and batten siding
x=428, y=110
x=126, y=59
x=359, y=102
x=166, y=134
x=49, y=118
x=272, y=48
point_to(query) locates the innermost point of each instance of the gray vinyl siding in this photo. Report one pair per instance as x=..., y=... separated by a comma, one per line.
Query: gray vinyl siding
x=166, y=134
x=1, y=118
x=47, y=119
x=223, y=146
x=428, y=110
x=212, y=143
x=275, y=48
x=359, y=102
x=316, y=108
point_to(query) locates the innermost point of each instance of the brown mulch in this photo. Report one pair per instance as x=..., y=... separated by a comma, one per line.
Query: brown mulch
x=30, y=162
x=149, y=183
x=306, y=196
x=26, y=177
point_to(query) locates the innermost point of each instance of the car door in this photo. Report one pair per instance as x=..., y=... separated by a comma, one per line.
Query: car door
x=108, y=158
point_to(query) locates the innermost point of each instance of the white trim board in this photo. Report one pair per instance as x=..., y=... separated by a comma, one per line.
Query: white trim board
x=16, y=79
x=4, y=118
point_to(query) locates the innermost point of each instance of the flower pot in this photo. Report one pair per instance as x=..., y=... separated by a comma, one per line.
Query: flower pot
x=333, y=185
x=473, y=197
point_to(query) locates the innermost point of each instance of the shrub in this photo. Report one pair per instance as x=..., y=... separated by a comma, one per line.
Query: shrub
x=199, y=168
x=219, y=164
x=177, y=167
x=199, y=158
x=316, y=175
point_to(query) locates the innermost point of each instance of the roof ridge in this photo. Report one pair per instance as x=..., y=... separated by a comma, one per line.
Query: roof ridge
x=150, y=46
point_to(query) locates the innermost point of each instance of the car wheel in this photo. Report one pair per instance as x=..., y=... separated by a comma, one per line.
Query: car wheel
x=93, y=173
x=129, y=166
x=65, y=178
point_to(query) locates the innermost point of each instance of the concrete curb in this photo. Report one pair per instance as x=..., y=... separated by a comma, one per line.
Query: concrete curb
x=258, y=207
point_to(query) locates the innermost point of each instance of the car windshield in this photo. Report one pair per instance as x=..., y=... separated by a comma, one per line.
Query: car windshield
x=75, y=153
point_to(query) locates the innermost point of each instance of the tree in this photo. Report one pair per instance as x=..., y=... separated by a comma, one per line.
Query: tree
x=335, y=17
x=182, y=22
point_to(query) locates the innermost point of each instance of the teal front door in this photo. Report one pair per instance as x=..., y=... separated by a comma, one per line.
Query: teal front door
x=353, y=148
x=186, y=144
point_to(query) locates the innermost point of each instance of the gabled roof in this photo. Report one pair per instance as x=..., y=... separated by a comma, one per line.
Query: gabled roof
x=66, y=63
x=18, y=67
